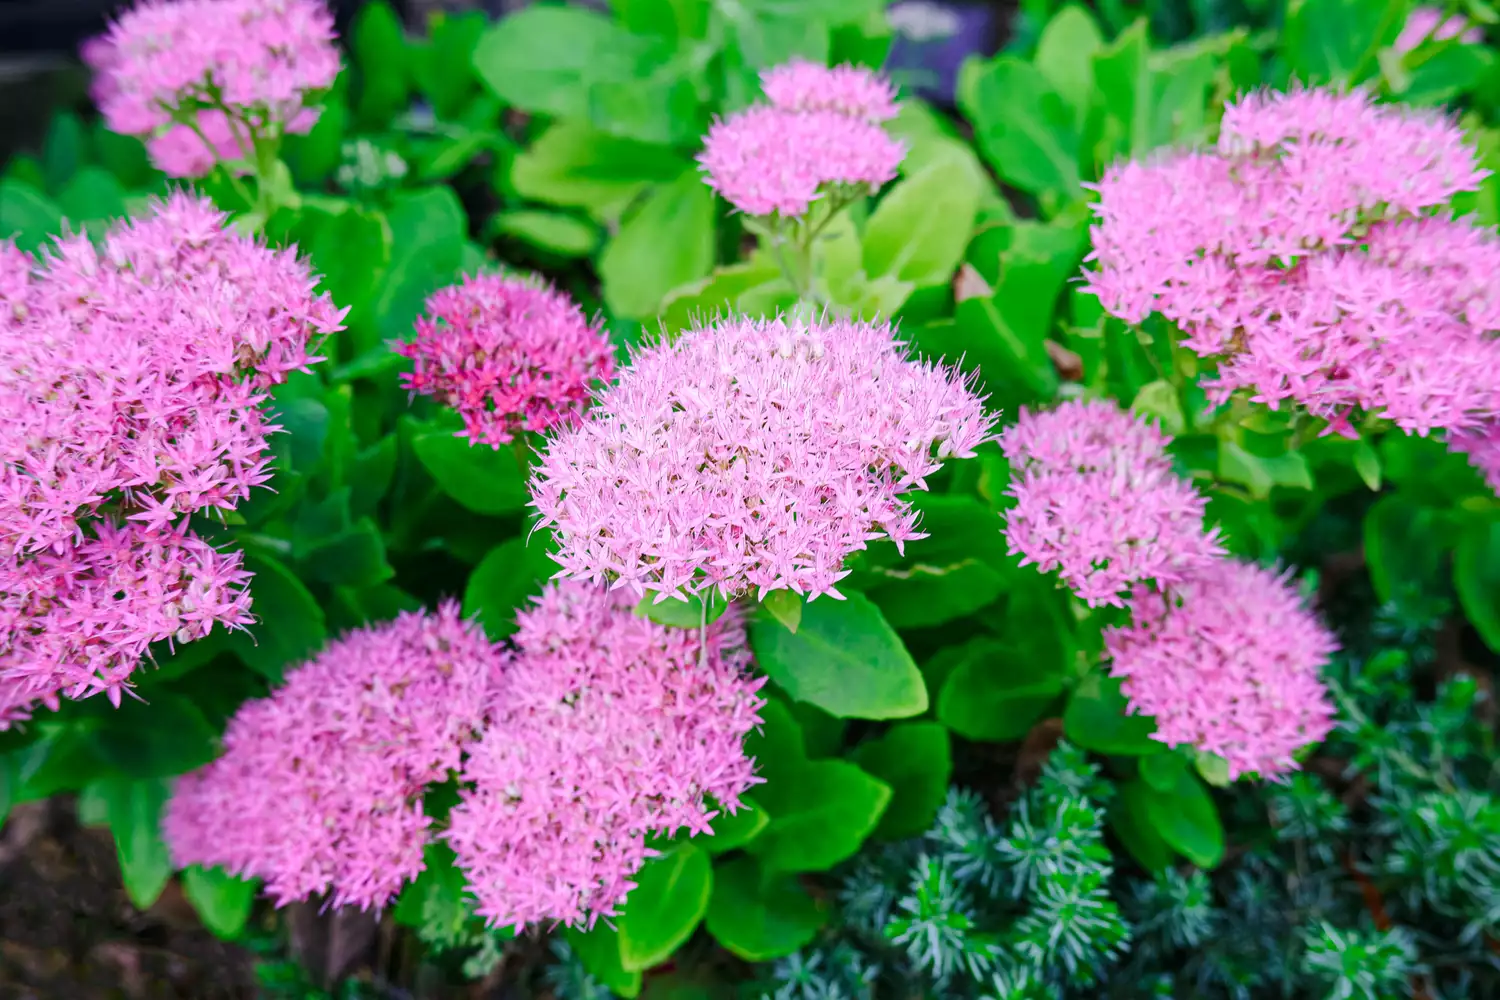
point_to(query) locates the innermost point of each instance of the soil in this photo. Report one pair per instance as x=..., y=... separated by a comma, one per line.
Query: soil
x=68, y=932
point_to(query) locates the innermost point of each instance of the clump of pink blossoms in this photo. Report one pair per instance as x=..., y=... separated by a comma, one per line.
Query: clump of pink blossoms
x=131, y=382
x=319, y=789
x=607, y=728
x=203, y=80
x=820, y=131
x=1427, y=22
x=850, y=90
x=1227, y=661
x=1304, y=253
x=1096, y=498
x=509, y=354
x=752, y=455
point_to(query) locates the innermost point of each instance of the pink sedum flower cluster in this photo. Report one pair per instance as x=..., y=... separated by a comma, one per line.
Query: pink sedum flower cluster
x=230, y=68
x=1096, y=499
x=853, y=91
x=1428, y=23
x=821, y=130
x=319, y=789
x=509, y=354
x=1304, y=254
x=1227, y=661
x=608, y=728
x=131, y=382
x=752, y=455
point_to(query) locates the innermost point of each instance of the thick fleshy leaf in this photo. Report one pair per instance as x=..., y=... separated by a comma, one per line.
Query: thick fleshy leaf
x=1096, y=719
x=844, y=658
x=758, y=915
x=223, y=902
x=662, y=911
x=914, y=759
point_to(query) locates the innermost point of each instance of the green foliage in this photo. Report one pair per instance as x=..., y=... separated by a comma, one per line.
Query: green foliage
x=844, y=658
x=670, y=898
x=760, y=915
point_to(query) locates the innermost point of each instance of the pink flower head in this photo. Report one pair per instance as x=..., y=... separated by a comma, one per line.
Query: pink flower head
x=1227, y=661
x=1097, y=499
x=130, y=387
x=767, y=160
x=260, y=62
x=15, y=284
x=319, y=789
x=1303, y=253
x=752, y=455
x=849, y=90
x=1427, y=22
x=609, y=727
x=509, y=354
x=76, y=620
x=821, y=130
x=1403, y=326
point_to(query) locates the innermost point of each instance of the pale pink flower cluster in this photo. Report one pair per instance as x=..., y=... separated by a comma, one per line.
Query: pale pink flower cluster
x=509, y=354
x=820, y=131
x=607, y=728
x=1427, y=22
x=319, y=789
x=1096, y=498
x=752, y=455
x=854, y=91
x=1304, y=255
x=1220, y=652
x=131, y=382
x=233, y=69
x=1227, y=661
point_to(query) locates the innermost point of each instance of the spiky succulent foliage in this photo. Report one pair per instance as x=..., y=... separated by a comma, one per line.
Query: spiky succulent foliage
x=1372, y=873
x=978, y=906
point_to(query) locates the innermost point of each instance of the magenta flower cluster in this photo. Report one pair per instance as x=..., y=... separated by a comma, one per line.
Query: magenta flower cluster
x=200, y=79
x=1304, y=254
x=820, y=130
x=509, y=354
x=1096, y=499
x=607, y=728
x=1227, y=662
x=750, y=456
x=131, y=389
x=319, y=789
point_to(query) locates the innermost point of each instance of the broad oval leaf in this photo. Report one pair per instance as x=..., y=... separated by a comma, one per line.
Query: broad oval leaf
x=1096, y=719
x=914, y=759
x=223, y=902
x=759, y=916
x=486, y=480
x=821, y=812
x=844, y=658
x=662, y=911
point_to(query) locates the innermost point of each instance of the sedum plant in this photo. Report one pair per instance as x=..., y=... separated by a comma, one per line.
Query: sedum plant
x=635, y=504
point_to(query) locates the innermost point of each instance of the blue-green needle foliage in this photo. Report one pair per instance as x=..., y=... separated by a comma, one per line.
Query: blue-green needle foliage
x=978, y=907
x=1374, y=873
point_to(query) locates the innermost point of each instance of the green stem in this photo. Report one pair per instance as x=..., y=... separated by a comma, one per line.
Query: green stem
x=265, y=165
x=778, y=250
x=191, y=121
